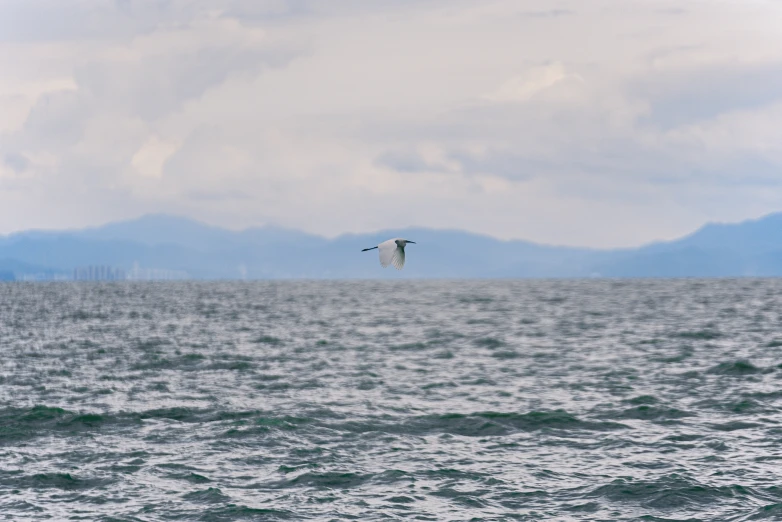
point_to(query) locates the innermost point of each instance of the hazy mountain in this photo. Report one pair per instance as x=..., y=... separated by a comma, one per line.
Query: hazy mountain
x=183, y=246
x=749, y=248
x=159, y=229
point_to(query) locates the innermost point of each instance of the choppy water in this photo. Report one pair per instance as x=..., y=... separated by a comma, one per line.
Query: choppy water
x=528, y=400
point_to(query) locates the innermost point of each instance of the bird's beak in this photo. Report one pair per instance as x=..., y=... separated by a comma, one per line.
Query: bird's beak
x=413, y=242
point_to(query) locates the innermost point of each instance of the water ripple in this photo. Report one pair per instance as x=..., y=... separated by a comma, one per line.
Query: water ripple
x=468, y=400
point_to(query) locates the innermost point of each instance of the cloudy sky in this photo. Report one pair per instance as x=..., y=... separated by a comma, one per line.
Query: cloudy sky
x=580, y=122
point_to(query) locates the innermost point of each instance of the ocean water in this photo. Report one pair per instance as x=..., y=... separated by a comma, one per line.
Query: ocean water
x=448, y=400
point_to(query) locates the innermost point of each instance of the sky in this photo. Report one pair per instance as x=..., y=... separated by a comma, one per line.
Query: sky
x=601, y=123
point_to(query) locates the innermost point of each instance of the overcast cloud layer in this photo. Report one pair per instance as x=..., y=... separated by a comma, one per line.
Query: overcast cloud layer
x=597, y=122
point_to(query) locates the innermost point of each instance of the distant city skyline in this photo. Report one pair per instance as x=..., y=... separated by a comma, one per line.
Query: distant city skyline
x=600, y=123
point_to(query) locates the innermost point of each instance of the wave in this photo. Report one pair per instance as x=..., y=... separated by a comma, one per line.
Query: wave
x=676, y=492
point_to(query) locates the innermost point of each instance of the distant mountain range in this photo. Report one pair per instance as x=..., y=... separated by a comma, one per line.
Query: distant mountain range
x=163, y=246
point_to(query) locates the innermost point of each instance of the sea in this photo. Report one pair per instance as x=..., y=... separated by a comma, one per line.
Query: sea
x=482, y=400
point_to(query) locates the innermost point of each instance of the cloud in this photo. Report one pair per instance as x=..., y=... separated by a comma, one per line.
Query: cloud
x=16, y=162
x=424, y=157
x=536, y=80
x=475, y=163
x=548, y=13
x=150, y=158
x=681, y=97
x=601, y=123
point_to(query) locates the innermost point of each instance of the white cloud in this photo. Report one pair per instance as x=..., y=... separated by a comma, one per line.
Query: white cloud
x=596, y=123
x=535, y=80
x=150, y=158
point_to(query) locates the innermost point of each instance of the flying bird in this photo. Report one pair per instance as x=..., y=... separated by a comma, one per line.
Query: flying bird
x=392, y=252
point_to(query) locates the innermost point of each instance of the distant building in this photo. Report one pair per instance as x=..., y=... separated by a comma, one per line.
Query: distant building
x=43, y=276
x=109, y=273
x=155, y=274
x=98, y=273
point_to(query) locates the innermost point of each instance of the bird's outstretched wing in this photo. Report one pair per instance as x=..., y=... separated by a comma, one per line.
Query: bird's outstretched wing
x=398, y=258
x=386, y=249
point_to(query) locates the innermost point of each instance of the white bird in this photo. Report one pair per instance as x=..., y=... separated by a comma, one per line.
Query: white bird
x=392, y=252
